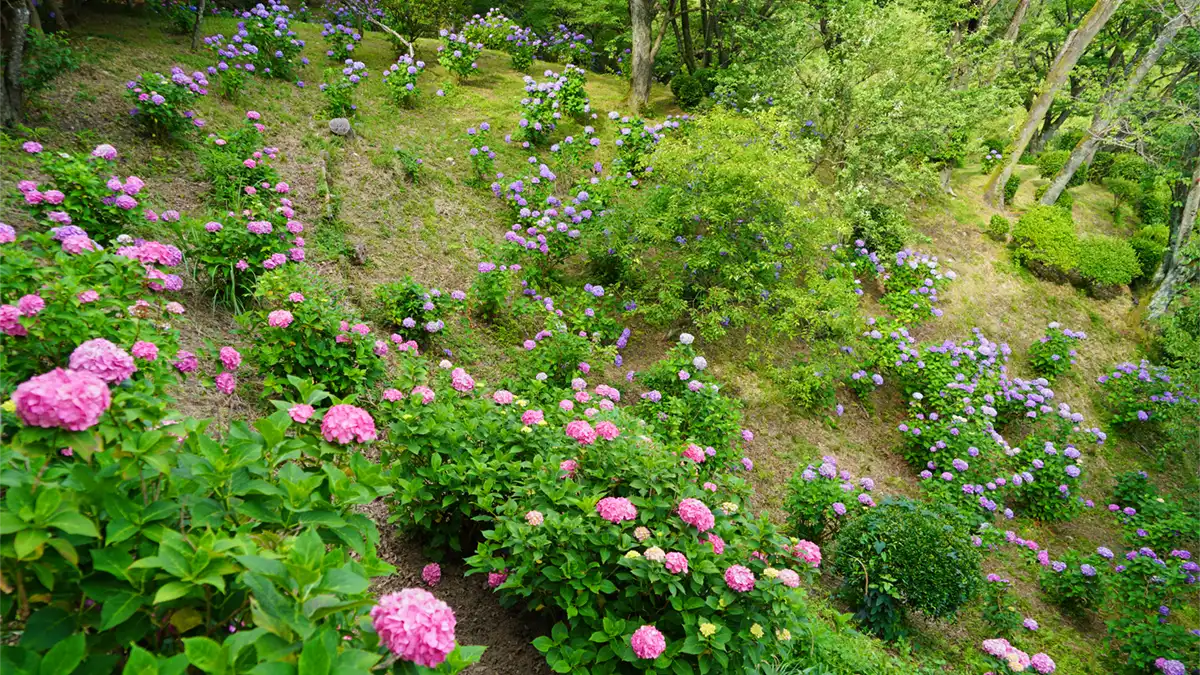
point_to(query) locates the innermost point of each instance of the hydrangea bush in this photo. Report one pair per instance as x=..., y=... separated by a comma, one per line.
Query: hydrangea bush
x=163, y=105
x=1054, y=353
x=233, y=161
x=401, y=80
x=416, y=311
x=458, y=55
x=340, y=41
x=339, y=86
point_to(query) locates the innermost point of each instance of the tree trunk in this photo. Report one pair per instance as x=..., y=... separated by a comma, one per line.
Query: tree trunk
x=641, y=16
x=1018, y=18
x=1074, y=46
x=1110, y=105
x=689, y=51
x=1173, y=274
x=12, y=48
x=196, y=28
x=722, y=58
x=56, y=11
x=35, y=20
x=1050, y=126
x=707, y=33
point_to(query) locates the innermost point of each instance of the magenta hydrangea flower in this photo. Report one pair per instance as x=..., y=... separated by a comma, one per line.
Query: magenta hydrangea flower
x=186, y=362
x=7, y=234
x=30, y=305
x=615, y=509
x=146, y=351
x=461, y=381
x=647, y=642
x=532, y=417
x=226, y=383
x=104, y=359
x=392, y=395
x=496, y=578
x=569, y=467
x=808, y=552
x=426, y=394
x=676, y=563
x=105, y=151
x=789, y=578
x=1042, y=663
x=431, y=574
x=346, y=424
x=534, y=518
x=581, y=431
x=739, y=578
x=301, y=412
x=503, y=397
x=88, y=296
x=694, y=453
x=63, y=399
x=280, y=318
x=230, y=358
x=718, y=543
x=695, y=513
x=415, y=626
x=607, y=430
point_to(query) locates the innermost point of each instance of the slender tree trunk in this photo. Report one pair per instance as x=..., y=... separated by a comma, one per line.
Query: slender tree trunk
x=12, y=49
x=706, y=29
x=35, y=20
x=722, y=58
x=1172, y=273
x=1050, y=126
x=641, y=16
x=1018, y=18
x=689, y=51
x=1111, y=104
x=1076, y=43
x=60, y=18
x=196, y=28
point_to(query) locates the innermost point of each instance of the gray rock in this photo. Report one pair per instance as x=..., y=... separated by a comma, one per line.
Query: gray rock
x=340, y=126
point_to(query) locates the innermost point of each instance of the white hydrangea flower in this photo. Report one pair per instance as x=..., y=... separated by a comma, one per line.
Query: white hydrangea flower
x=700, y=363
x=686, y=338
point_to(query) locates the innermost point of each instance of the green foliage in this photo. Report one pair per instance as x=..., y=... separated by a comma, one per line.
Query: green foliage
x=1102, y=163
x=338, y=89
x=180, y=17
x=690, y=409
x=1107, y=261
x=707, y=77
x=687, y=90
x=47, y=55
x=1179, y=339
x=1076, y=583
x=1155, y=205
x=1067, y=139
x=91, y=195
x=234, y=161
x=818, y=504
x=401, y=80
x=1010, y=188
x=1065, y=201
x=319, y=344
x=998, y=227
x=1045, y=235
x=458, y=55
x=998, y=607
x=1141, y=633
x=883, y=228
x=1054, y=353
x=1149, y=244
x=909, y=557
x=1049, y=163
x=163, y=106
x=1124, y=191
x=809, y=386
x=1127, y=165
x=1159, y=521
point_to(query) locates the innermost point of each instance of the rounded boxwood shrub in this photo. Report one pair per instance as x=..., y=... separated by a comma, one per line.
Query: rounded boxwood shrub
x=910, y=556
x=998, y=227
x=1046, y=241
x=687, y=90
x=1101, y=164
x=1149, y=244
x=1127, y=165
x=1106, y=262
x=1011, y=187
x=1066, y=140
x=1154, y=207
x=707, y=77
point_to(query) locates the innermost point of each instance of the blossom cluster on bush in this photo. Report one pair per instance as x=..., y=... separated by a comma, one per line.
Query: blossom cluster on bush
x=240, y=159
x=1142, y=392
x=416, y=311
x=822, y=497
x=496, y=31
x=263, y=44
x=341, y=41
x=458, y=55
x=400, y=79
x=1054, y=353
x=567, y=46
x=163, y=105
x=339, y=86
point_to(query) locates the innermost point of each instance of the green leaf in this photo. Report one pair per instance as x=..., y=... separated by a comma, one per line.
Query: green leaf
x=171, y=591
x=65, y=657
x=176, y=665
x=543, y=644
x=141, y=662
x=45, y=628
x=205, y=654
x=73, y=522
x=316, y=658
x=342, y=580
x=29, y=542
x=11, y=523
x=118, y=608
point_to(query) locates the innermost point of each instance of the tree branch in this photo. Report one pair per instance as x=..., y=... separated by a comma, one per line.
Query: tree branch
x=396, y=35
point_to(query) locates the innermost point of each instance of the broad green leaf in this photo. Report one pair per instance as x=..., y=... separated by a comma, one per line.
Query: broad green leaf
x=141, y=662
x=11, y=523
x=74, y=523
x=65, y=656
x=342, y=580
x=118, y=608
x=46, y=627
x=316, y=658
x=171, y=591
x=29, y=542
x=205, y=654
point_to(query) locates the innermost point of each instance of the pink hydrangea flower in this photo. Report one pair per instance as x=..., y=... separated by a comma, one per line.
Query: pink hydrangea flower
x=461, y=381
x=88, y=296
x=695, y=513
x=607, y=430
x=647, y=642
x=808, y=552
x=105, y=151
x=296, y=297
x=1042, y=663
x=581, y=431
x=30, y=305
x=174, y=308
x=431, y=574
x=568, y=467
x=77, y=244
x=346, y=424
x=789, y=578
x=415, y=626
x=739, y=578
x=503, y=397
x=711, y=487
x=532, y=417
x=280, y=318
x=381, y=348
x=230, y=358
x=186, y=362
x=566, y=405
x=301, y=412
x=497, y=578
x=676, y=563
x=226, y=383
x=718, y=543
x=104, y=359
x=392, y=395
x=146, y=351
x=534, y=518
x=426, y=394
x=694, y=453
x=63, y=399
x=616, y=509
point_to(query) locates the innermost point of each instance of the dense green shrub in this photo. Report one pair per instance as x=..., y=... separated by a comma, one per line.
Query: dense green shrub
x=1127, y=165
x=1076, y=583
x=1107, y=261
x=1102, y=163
x=47, y=55
x=998, y=227
x=1124, y=191
x=1065, y=201
x=882, y=228
x=807, y=385
x=1154, y=208
x=1045, y=235
x=908, y=556
x=1049, y=163
x=687, y=90
x=707, y=77
x=1054, y=353
x=1067, y=139
x=1149, y=244
x=1010, y=188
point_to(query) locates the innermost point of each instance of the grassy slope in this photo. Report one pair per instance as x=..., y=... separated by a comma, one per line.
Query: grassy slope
x=439, y=229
